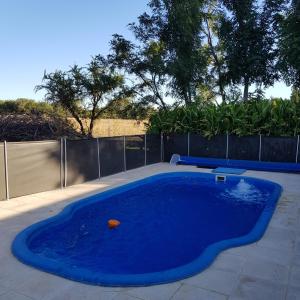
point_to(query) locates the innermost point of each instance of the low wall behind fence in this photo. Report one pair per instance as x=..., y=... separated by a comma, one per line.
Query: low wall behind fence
x=259, y=148
x=32, y=167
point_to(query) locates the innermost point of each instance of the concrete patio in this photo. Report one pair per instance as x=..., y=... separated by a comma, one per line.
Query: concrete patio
x=268, y=269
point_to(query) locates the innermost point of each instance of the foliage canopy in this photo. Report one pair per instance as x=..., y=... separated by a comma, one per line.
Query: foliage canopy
x=81, y=90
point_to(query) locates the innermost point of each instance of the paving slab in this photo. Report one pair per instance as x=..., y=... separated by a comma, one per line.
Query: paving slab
x=295, y=276
x=267, y=269
x=229, y=262
x=282, y=257
x=293, y=293
x=195, y=293
x=220, y=281
x=90, y=293
x=123, y=296
x=14, y=296
x=157, y=292
x=253, y=288
x=3, y=290
x=260, y=268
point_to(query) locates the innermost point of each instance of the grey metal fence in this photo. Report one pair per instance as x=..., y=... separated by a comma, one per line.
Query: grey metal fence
x=2, y=173
x=216, y=147
x=259, y=148
x=135, y=151
x=175, y=143
x=154, y=148
x=32, y=167
x=298, y=150
x=112, y=158
x=246, y=147
x=279, y=149
x=81, y=161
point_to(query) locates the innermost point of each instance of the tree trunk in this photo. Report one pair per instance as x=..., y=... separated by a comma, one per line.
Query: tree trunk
x=246, y=89
x=217, y=61
x=188, y=96
x=187, y=100
x=222, y=92
x=91, y=127
x=161, y=100
x=94, y=115
x=81, y=127
x=77, y=118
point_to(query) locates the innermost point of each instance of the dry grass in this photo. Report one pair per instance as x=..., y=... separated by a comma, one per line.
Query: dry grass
x=116, y=127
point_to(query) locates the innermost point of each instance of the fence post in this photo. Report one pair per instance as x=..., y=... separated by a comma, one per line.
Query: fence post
x=61, y=163
x=145, y=149
x=98, y=156
x=227, y=145
x=161, y=147
x=124, y=152
x=65, y=162
x=6, y=171
x=188, y=144
x=297, y=151
x=260, y=146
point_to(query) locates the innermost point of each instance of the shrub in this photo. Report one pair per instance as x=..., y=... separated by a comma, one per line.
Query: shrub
x=276, y=117
x=27, y=106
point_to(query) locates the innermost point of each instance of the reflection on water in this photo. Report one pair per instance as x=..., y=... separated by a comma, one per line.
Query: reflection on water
x=246, y=193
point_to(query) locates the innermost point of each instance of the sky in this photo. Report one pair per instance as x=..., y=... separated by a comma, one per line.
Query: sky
x=39, y=35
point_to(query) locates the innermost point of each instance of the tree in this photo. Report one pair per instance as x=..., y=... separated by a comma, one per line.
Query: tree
x=249, y=41
x=182, y=35
x=126, y=108
x=82, y=91
x=146, y=67
x=198, y=47
x=174, y=26
x=289, y=43
x=217, y=67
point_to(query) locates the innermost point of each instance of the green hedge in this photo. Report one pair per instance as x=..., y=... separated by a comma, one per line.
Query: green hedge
x=268, y=117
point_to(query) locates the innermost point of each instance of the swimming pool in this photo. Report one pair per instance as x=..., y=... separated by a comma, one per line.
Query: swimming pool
x=172, y=226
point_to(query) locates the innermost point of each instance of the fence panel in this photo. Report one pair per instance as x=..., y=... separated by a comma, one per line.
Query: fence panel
x=33, y=167
x=153, y=144
x=246, y=147
x=279, y=149
x=203, y=147
x=82, y=161
x=2, y=174
x=298, y=149
x=135, y=151
x=111, y=155
x=175, y=144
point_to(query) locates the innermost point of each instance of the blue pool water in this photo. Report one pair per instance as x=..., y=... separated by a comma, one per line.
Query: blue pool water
x=172, y=226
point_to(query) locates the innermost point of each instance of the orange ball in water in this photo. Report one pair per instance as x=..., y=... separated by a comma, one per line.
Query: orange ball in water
x=113, y=223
